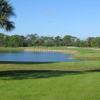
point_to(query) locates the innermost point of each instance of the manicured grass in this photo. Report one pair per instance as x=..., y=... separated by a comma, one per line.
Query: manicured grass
x=52, y=81
x=51, y=86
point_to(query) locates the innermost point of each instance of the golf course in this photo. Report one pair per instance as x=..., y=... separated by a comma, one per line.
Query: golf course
x=52, y=81
x=49, y=49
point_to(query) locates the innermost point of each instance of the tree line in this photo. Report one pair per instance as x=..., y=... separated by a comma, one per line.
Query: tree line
x=36, y=40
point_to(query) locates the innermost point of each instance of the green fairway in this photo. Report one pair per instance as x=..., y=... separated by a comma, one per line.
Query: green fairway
x=52, y=81
x=51, y=86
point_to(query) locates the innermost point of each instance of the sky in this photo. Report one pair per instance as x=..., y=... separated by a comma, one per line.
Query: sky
x=80, y=18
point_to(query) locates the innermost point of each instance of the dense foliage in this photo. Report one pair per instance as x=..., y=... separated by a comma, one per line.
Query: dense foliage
x=35, y=40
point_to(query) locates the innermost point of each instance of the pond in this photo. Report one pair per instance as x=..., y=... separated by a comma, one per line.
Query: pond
x=35, y=57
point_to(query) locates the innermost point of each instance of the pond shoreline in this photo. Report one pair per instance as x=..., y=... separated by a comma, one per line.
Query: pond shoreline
x=48, y=50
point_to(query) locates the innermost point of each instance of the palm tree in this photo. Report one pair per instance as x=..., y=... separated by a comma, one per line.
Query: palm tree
x=6, y=11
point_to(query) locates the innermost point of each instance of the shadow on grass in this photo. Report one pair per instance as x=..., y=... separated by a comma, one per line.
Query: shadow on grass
x=22, y=62
x=35, y=74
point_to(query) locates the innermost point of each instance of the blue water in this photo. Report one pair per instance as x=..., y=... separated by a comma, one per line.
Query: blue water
x=35, y=57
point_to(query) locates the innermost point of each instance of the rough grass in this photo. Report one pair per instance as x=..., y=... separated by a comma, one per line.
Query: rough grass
x=64, y=66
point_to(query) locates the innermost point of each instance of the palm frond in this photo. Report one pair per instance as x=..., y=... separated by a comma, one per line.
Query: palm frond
x=6, y=11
